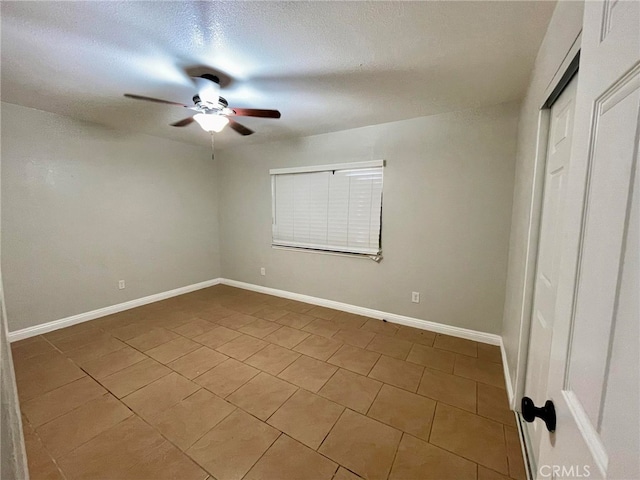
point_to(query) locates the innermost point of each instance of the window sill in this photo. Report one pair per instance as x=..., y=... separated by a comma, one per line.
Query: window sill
x=375, y=258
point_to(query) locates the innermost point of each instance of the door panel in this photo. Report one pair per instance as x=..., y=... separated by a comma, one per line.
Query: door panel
x=544, y=300
x=605, y=216
x=593, y=372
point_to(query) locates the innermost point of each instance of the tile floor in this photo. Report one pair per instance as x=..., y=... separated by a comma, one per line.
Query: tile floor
x=224, y=383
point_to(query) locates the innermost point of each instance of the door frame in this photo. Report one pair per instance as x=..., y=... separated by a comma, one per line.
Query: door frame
x=566, y=71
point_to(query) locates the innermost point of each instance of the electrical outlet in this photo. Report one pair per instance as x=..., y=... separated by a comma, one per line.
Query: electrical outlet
x=415, y=297
x=121, y=284
x=263, y=271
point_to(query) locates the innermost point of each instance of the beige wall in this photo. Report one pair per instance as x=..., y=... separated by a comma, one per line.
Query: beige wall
x=448, y=187
x=563, y=29
x=84, y=206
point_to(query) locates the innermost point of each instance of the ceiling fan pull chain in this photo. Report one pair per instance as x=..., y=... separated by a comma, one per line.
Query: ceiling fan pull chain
x=212, y=147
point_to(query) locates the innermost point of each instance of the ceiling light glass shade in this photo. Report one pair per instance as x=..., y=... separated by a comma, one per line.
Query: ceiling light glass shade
x=211, y=122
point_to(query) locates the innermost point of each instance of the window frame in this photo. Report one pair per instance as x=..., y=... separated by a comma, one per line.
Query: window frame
x=349, y=252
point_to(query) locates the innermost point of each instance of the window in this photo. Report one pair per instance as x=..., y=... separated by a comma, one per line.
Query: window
x=335, y=208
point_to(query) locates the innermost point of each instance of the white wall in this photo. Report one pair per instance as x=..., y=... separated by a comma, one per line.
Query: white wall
x=84, y=206
x=448, y=188
x=563, y=29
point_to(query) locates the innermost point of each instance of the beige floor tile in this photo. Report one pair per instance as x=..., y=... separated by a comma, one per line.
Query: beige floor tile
x=295, y=320
x=451, y=389
x=272, y=359
x=41, y=465
x=128, y=442
x=514, y=454
x=152, y=338
x=351, y=390
x=233, y=446
x=287, y=337
x=390, y=346
x=486, y=474
x=379, y=326
x=318, y=347
x=236, y=321
x=308, y=373
x=271, y=313
x=187, y=421
x=479, y=370
x=355, y=359
x=67, y=343
x=30, y=365
x=279, y=302
x=494, y=404
x=132, y=378
x=491, y=353
x=96, y=349
x=322, y=327
x=217, y=337
x=57, y=402
x=160, y=395
x=432, y=357
x=91, y=327
x=127, y=332
x=344, y=474
x=260, y=328
x=397, y=372
x=262, y=395
x=52, y=372
x=415, y=335
x=113, y=362
x=324, y=313
x=403, y=410
x=306, y=417
x=247, y=307
x=194, y=328
x=227, y=377
x=456, y=345
x=165, y=463
x=350, y=321
x=298, y=307
x=172, y=350
x=197, y=362
x=471, y=436
x=419, y=460
x=365, y=446
x=37, y=346
x=242, y=347
x=354, y=337
x=215, y=313
x=76, y=427
x=289, y=459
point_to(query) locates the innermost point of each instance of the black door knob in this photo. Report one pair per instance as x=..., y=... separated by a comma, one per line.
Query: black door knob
x=546, y=413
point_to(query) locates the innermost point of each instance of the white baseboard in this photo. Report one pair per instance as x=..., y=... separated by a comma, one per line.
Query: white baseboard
x=103, y=312
x=481, y=337
x=474, y=335
x=507, y=376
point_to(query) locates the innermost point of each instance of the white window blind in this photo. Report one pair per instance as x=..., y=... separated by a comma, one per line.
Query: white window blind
x=335, y=208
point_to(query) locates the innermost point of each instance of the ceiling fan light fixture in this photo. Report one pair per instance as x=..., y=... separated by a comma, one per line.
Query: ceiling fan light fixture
x=211, y=122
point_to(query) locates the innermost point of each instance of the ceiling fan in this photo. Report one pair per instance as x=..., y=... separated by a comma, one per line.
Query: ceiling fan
x=213, y=110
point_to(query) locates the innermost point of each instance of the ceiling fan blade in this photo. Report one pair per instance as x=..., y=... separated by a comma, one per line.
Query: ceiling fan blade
x=183, y=123
x=157, y=100
x=256, y=112
x=238, y=127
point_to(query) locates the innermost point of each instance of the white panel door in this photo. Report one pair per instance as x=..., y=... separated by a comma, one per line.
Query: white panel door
x=547, y=268
x=593, y=367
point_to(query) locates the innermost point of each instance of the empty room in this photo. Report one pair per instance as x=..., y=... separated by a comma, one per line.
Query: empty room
x=320, y=240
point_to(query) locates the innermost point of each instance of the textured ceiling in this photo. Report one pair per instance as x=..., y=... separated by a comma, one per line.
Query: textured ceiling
x=326, y=66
